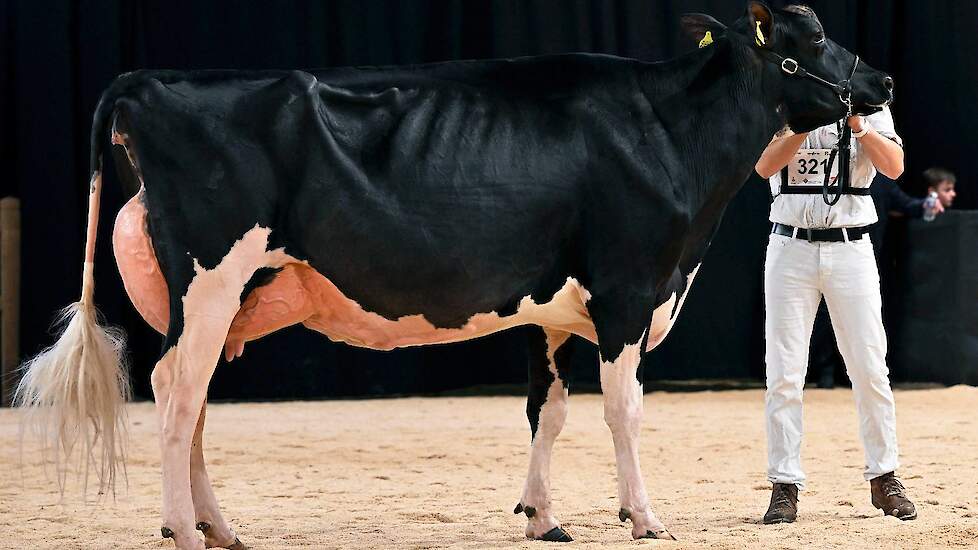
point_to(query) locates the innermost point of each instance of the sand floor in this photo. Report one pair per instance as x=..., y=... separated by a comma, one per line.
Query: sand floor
x=446, y=472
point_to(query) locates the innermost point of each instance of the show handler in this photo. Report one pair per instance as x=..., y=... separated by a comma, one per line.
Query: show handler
x=818, y=249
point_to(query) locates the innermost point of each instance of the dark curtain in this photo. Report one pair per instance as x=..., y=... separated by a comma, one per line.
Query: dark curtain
x=58, y=56
x=935, y=324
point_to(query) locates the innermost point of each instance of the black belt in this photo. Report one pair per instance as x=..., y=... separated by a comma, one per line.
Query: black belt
x=834, y=235
x=813, y=190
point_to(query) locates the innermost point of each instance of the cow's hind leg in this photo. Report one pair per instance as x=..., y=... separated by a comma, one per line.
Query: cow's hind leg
x=217, y=533
x=203, y=312
x=180, y=385
x=546, y=409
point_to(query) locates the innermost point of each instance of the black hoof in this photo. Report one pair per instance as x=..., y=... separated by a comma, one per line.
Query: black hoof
x=203, y=527
x=661, y=535
x=519, y=508
x=238, y=545
x=166, y=532
x=623, y=515
x=556, y=535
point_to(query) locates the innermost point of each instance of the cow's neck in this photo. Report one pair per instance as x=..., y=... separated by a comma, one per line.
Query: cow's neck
x=729, y=113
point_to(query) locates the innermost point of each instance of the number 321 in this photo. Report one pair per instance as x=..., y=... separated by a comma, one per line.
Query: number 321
x=810, y=166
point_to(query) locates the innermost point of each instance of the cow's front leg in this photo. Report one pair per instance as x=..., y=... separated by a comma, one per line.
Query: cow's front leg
x=546, y=409
x=623, y=409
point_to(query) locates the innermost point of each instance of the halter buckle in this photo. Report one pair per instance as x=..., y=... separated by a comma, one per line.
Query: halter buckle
x=785, y=65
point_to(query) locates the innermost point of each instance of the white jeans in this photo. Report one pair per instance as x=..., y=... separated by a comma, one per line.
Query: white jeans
x=796, y=275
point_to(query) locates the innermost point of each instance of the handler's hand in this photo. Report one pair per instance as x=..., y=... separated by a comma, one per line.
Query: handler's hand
x=938, y=207
x=856, y=123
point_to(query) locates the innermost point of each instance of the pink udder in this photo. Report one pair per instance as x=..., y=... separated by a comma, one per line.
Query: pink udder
x=136, y=259
x=281, y=303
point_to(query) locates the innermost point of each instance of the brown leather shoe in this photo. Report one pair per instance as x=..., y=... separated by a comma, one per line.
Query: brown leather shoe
x=784, y=504
x=889, y=496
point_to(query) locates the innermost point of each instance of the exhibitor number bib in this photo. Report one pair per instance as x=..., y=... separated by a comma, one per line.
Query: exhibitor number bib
x=807, y=169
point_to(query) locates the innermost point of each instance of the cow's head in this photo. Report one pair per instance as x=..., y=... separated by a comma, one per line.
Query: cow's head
x=793, y=41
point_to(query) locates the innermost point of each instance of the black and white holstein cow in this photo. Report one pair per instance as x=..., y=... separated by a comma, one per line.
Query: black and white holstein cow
x=401, y=206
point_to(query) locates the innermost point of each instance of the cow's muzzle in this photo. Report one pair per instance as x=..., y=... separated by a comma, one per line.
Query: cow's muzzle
x=888, y=86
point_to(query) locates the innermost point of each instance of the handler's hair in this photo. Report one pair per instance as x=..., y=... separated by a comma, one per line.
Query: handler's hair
x=935, y=175
x=803, y=10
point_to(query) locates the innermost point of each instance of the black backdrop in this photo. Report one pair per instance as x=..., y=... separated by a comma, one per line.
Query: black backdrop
x=57, y=57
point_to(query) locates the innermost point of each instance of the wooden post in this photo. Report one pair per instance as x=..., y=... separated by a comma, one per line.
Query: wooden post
x=9, y=297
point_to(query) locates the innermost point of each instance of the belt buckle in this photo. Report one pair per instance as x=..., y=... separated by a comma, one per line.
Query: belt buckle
x=808, y=234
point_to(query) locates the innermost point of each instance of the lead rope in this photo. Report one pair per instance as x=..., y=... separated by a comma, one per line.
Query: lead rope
x=841, y=151
x=842, y=147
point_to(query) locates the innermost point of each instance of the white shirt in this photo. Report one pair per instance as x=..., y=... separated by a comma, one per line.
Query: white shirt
x=810, y=211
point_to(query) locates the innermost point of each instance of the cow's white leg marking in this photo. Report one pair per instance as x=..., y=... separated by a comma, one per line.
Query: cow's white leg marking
x=661, y=323
x=180, y=378
x=206, y=510
x=623, y=410
x=664, y=316
x=536, y=491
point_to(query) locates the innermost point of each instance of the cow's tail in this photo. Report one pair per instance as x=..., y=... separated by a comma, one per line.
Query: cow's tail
x=74, y=392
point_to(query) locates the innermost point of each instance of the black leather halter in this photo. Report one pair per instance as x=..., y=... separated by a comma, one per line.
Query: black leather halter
x=791, y=67
x=844, y=92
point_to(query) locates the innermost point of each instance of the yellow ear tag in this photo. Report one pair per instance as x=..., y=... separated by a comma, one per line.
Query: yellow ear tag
x=707, y=40
x=760, y=36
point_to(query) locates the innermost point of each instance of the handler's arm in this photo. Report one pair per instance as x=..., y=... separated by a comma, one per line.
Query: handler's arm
x=885, y=154
x=778, y=154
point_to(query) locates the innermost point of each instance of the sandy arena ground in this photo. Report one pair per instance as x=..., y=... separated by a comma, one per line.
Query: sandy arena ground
x=446, y=472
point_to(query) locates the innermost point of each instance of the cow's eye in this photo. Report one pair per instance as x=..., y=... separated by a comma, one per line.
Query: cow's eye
x=819, y=39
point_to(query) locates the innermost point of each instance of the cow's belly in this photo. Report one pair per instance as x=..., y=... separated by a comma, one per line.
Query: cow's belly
x=300, y=294
x=342, y=319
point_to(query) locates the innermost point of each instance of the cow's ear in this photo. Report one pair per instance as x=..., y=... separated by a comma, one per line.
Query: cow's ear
x=761, y=23
x=702, y=27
